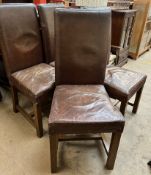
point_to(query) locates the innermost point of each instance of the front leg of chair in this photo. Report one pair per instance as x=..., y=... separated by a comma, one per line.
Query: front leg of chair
x=53, y=152
x=38, y=119
x=115, y=140
x=137, y=100
x=14, y=98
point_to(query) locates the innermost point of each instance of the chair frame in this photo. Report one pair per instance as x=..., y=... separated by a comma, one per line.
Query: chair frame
x=55, y=138
x=125, y=101
x=35, y=117
x=0, y=96
x=135, y=105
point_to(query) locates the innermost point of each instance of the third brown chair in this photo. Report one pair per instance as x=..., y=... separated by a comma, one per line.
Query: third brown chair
x=122, y=84
x=80, y=103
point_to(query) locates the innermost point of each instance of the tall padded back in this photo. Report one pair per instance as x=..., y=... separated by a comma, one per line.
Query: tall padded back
x=46, y=15
x=82, y=45
x=20, y=37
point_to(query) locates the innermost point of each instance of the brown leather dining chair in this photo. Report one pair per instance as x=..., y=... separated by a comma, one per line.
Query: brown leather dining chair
x=80, y=103
x=46, y=16
x=23, y=57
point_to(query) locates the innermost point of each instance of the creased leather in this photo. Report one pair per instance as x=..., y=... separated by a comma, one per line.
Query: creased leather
x=20, y=36
x=82, y=104
x=34, y=80
x=123, y=82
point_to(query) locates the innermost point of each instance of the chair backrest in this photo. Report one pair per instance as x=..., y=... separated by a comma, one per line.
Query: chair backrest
x=46, y=15
x=20, y=37
x=83, y=38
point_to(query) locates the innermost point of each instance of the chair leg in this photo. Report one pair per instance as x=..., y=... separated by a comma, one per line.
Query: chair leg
x=115, y=140
x=53, y=152
x=38, y=119
x=123, y=107
x=15, y=99
x=137, y=100
x=0, y=96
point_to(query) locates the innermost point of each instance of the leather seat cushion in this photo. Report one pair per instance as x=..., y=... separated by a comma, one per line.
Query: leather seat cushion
x=120, y=82
x=34, y=80
x=83, y=107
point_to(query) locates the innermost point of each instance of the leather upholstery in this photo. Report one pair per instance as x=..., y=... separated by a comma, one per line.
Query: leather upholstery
x=82, y=59
x=77, y=105
x=46, y=15
x=122, y=83
x=34, y=80
x=21, y=44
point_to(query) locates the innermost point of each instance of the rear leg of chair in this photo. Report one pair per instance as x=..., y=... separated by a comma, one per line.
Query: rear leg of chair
x=53, y=152
x=15, y=99
x=137, y=100
x=0, y=96
x=115, y=140
x=38, y=119
x=123, y=107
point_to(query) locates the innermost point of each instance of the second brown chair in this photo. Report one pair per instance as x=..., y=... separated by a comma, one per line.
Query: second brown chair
x=46, y=16
x=23, y=56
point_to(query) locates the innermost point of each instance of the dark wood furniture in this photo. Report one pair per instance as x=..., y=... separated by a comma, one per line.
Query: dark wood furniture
x=120, y=4
x=0, y=91
x=141, y=37
x=122, y=25
x=3, y=77
x=0, y=96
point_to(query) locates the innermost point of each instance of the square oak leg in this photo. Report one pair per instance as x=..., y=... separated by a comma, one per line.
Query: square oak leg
x=115, y=140
x=38, y=119
x=14, y=98
x=53, y=152
x=137, y=100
